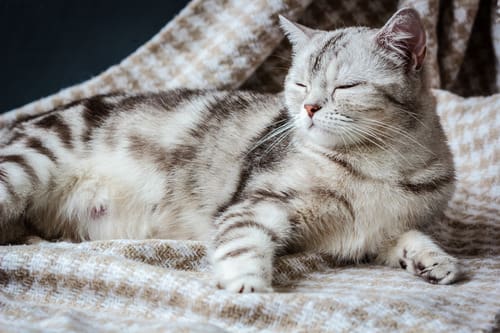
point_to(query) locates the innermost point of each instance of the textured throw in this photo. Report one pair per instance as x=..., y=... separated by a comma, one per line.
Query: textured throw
x=165, y=286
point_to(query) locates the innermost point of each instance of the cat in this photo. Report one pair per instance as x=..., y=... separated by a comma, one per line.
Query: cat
x=349, y=160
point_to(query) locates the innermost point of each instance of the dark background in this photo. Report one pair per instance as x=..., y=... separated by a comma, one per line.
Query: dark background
x=52, y=44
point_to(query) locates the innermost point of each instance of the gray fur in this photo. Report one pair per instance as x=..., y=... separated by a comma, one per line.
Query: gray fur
x=253, y=173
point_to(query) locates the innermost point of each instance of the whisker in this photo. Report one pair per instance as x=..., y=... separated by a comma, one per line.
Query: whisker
x=276, y=132
x=401, y=141
x=395, y=130
x=414, y=115
x=280, y=139
x=388, y=147
x=367, y=136
x=352, y=137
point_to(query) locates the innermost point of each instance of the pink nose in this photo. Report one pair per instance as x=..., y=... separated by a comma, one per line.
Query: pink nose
x=311, y=109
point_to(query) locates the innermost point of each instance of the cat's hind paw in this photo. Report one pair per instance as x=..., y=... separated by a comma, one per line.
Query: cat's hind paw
x=88, y=201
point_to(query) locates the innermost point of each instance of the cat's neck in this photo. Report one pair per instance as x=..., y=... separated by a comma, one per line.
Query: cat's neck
x=373, y=162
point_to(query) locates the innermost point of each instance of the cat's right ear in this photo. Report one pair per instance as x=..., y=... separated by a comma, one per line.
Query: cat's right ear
x=297, y=34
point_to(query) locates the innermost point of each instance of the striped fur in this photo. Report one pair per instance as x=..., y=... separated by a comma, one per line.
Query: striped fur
x=252, y=173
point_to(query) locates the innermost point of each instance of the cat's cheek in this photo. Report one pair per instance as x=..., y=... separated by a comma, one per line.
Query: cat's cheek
x=294, y=101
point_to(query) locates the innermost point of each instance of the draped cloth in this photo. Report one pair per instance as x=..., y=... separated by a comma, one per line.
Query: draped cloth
x=166, y=285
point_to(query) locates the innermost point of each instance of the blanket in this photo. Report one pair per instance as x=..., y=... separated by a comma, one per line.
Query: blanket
x=166, y=285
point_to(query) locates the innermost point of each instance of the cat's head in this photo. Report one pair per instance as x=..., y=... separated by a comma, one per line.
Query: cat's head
x=357, y=85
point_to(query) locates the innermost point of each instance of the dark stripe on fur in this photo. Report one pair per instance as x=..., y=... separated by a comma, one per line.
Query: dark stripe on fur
x=223, y=107
x=246, y=224
x=230, y=216
x=258, y=158
x=17, y=135
x=181, y=155
x=133, y=101
x=338, y=197
x=37, y=145
x=170, y=100
x=95, y=114
x=164, y=160
x=43, y=114
x=56, y=123
x=345, y=165
x=21, y=161
x=8, y=185
x=430, y=186
x=238, y=252
x=328, y=46
x=265, y=194
x=408, y=108
x=393, y=99
x=226, y=240
x=3, y=176
x=167, y=100
x=61, y=108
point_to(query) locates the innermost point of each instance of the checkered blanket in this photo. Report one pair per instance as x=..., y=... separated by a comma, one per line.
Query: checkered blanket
x=165, y=285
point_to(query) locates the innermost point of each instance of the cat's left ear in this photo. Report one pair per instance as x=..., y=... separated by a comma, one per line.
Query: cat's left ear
x=404, y=34
x=297, y=34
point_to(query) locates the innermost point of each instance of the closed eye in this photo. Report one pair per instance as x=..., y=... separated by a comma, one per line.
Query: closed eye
x=350, y=85
x=301, y=84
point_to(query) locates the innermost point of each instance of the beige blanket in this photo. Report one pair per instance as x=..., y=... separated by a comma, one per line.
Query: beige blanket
x=165, y=286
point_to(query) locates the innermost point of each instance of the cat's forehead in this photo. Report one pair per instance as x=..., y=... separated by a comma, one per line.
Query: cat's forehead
x=334, y=51
x=332, y=44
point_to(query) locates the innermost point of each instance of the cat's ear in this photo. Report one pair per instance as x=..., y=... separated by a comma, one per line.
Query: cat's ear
x=404, y=34
x=297, y=34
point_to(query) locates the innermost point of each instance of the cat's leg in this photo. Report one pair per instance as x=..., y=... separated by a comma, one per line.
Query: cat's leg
x=87, y=198
x=245, y=243
x=418, y=254
x=84, y=200
x=93, y=203
x=25, y=166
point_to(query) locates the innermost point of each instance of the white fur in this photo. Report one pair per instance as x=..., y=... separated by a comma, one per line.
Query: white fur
x=252, y=270
x=109, y=188
x=414, y=249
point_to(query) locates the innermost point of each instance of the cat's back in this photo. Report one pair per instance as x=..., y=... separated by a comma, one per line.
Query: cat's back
x=116, y=113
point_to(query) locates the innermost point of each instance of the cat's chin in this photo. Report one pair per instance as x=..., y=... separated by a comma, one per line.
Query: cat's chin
x=325, y=138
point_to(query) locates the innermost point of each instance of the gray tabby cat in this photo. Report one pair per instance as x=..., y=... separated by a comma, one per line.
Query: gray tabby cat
x=348, y=161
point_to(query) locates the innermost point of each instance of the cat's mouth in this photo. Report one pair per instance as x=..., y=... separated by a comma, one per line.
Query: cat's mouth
x=327, y=135
x=322, y=130
x=317, y=126
x=318, y=131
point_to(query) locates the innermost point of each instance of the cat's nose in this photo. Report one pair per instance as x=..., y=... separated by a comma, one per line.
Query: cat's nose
x=311, y=109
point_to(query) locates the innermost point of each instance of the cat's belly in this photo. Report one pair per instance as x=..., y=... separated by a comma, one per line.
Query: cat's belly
x=99, y=201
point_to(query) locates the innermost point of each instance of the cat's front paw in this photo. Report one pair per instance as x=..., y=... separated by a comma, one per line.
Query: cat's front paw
x=246, y=284
x=242, y=275
x=432, y=267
